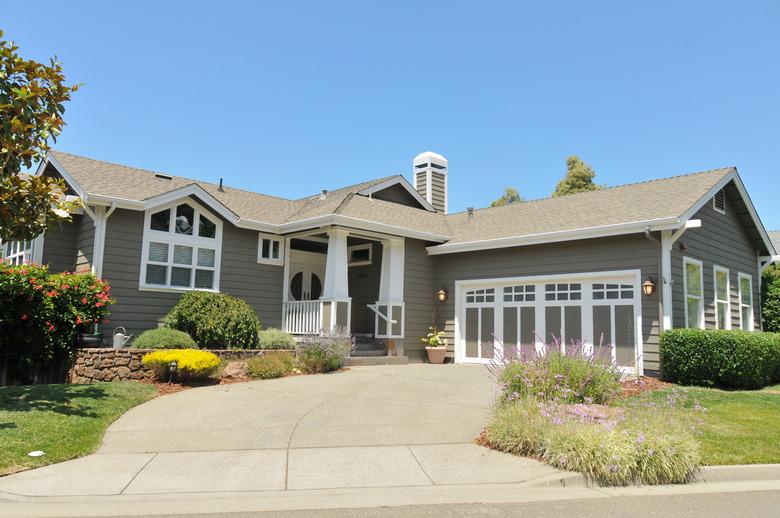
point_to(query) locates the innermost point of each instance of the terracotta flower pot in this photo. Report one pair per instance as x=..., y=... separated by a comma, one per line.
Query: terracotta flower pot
x=436, y=354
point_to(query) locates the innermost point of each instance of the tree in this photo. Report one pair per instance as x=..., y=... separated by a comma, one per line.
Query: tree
x=579, y=178
x=31, y=107
x=770, y=298
x=509, y=197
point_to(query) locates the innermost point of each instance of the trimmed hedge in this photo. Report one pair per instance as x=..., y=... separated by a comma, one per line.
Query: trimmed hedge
x=191, y=364
x=164, y=338
x=723, y=359
x=215, y=320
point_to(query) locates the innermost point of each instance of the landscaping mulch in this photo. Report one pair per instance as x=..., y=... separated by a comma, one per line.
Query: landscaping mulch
x=634, y=386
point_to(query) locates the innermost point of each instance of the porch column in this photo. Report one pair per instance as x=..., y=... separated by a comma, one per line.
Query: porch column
x=336, y=305
x=391, y=292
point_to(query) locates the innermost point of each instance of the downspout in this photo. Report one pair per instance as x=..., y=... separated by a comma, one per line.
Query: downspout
x=665, y=302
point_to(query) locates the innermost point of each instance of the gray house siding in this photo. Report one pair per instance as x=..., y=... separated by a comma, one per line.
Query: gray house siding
x=85, y=239
x=258, y=284
x=363, y=284
x=593, y=255
x=722, y=240
x=419, y=296
x=59, y=247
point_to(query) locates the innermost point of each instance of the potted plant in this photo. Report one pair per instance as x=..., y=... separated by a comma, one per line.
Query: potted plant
x=435, y=345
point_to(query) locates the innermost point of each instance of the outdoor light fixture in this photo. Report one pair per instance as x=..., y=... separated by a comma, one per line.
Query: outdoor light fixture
x=648, y=287
x=441, y=294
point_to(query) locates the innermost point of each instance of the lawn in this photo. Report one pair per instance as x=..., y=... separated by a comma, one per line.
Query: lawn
x=63, y=421
x=738, y=427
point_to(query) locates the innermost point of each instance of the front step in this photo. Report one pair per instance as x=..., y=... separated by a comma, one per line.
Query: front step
x=363, y=361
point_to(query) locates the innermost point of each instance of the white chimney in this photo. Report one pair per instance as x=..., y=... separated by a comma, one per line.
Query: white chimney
x=430, y=179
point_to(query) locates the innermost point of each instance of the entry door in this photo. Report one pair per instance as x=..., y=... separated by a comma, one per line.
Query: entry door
x=307, y=273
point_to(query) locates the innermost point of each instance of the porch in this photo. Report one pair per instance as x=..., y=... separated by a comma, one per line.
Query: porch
x=344, y=279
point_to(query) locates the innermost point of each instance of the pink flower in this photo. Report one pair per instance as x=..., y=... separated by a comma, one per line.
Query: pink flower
x=83, y=300
x=24, y=316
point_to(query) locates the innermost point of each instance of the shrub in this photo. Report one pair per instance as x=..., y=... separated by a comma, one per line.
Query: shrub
x=273, y=338
x=271, y=365
x=164, y=338
x=215, y=320
x=573, y=376
x=770, y=298
x=324, y=353
x=644, y=444
x=725, y=359
x=41, y=314
x=191, y=364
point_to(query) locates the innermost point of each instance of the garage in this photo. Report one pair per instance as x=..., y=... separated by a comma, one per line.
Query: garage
x=497, y=318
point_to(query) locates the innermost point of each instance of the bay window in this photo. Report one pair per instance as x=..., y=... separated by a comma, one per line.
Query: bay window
x=182, y=246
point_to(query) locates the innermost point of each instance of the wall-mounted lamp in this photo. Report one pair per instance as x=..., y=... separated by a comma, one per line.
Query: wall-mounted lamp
x=441, y=294
x=648, y=287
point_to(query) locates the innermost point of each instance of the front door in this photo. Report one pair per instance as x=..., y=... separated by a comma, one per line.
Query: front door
x=307, y=273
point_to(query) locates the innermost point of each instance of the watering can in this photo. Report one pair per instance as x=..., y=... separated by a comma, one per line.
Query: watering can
x=120, y=339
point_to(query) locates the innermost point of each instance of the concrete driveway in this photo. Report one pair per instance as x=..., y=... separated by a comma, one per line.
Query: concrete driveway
x=367, y=427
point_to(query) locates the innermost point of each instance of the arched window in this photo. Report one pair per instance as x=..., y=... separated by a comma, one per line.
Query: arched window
x=182, y=246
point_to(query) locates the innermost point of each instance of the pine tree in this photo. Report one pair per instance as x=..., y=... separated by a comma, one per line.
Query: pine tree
x=509, y=197
x=579, y=178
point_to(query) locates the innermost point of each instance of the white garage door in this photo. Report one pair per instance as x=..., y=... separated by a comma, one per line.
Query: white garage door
x=498, y=318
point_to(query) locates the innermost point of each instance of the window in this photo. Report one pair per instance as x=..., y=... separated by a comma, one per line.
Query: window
x=17, y=252
x=270, y=250
x=719, y=201
x=615, y=291
x=360, y=255
x=722, y=300
x=520, y=293
x=694, y=299
x=181, y=249
x=479, y=296
x=745, y=302
x=563, y=291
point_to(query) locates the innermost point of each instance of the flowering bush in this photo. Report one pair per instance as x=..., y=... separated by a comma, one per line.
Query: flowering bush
x=191, y=364
x=645, y=442
x=324, y=353
x=576, y=375
x=42, y=313
x=434, y=338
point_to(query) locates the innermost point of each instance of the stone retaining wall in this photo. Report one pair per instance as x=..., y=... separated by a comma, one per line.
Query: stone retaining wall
x=107, y=364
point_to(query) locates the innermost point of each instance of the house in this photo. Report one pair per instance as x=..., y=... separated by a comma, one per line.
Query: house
x=385, y=258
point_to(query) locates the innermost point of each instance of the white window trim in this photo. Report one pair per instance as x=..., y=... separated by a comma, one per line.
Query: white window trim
x=752, y=323
x=715, y=206
x=171, y=238
x=715, y=270
x=686, y=261
x=366, y=246
x=272, y=238
x=30, y=251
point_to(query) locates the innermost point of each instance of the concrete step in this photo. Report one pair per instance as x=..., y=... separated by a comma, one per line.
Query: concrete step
x=375, y=360
x=368, y=352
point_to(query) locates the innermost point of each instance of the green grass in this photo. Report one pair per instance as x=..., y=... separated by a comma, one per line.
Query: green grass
x=64, y=421
x=739, y=427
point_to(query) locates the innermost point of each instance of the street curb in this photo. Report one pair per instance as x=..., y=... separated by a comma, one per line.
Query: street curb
x=739, y=473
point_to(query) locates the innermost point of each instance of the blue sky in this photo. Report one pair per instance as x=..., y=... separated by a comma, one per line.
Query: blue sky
x=288, y=97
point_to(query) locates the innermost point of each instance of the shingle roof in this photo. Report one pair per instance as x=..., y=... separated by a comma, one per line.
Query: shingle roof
x=646, y=201
x=632, y=203
x=774, y=236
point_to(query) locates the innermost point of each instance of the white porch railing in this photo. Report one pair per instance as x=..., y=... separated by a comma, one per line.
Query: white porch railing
x=301, y=317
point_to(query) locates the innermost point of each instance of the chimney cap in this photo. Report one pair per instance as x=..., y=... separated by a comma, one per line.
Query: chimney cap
x=430, y=154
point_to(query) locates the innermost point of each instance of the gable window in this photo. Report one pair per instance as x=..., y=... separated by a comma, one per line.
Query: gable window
x=360, y=255
x=722, y=300
x=270, y=250
x=745, y=302
x=182, y=247
x=694, y=293
x=719, y=201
